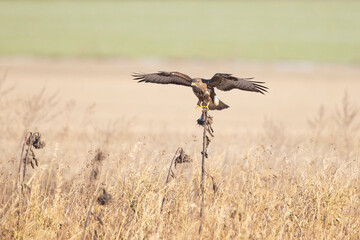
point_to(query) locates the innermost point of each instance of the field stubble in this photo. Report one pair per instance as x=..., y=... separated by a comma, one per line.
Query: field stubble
x=264, y=184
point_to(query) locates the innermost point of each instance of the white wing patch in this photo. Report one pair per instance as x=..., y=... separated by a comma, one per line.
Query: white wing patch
x=216, y=101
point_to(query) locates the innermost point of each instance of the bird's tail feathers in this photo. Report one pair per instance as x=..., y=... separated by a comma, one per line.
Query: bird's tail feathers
x=220, y=106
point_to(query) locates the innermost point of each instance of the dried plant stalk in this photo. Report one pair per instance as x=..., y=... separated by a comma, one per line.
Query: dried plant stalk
x=95, y=175
x=32, y=140
x=205, y=121
x=20, y=162
x=204, y=116
x=168, y=177
x=179, y=157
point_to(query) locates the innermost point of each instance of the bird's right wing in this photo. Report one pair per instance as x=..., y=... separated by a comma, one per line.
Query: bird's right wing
x=164, y=78
x=226, y=82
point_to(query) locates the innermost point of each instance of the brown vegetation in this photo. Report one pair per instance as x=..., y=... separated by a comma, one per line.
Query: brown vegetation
x=108, y=182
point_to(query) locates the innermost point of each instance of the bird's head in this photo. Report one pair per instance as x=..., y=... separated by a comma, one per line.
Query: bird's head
x=195, y=82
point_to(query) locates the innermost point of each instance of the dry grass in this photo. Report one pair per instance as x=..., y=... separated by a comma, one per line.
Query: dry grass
x=107, y=182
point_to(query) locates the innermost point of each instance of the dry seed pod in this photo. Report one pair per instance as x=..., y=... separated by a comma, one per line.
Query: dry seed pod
x=182, y=158
x=104, y=198
x=34, y=139
x=99, y=156
x=38, y=143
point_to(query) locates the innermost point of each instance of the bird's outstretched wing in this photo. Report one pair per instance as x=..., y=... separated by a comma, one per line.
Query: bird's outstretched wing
x=226, y=82
x=164, y=78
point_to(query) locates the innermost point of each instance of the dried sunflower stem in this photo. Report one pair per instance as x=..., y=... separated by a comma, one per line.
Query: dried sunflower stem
x=24, y=168
x=20, y=162
x=18, y=179
x=168, y=177
x=23, y=160
x=203, y=170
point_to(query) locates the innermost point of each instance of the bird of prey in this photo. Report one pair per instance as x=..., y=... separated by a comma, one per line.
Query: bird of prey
x=204, y=89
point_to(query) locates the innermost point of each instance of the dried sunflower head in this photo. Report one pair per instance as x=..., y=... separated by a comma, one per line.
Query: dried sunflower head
x=104, y=198
x=34, y=139
x=99, y=156
x=182, y=158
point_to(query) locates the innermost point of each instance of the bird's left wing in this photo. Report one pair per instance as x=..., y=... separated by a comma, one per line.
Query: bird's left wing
x=164, y=78
x=226, y=82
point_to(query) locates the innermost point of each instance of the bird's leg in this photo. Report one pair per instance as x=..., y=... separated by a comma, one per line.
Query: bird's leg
x=207, y=106
x=200, y=106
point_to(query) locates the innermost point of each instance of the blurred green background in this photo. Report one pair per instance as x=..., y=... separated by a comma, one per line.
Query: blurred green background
x=320, y=31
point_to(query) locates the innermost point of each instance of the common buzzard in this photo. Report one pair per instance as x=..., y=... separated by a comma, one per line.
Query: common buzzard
x=204, y=88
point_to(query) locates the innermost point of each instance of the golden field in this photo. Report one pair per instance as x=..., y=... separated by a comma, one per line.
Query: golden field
x=281, y=166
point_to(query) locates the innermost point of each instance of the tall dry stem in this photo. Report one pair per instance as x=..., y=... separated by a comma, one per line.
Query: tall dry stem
x=206, y=122
x=168, y=177
x=95, y=175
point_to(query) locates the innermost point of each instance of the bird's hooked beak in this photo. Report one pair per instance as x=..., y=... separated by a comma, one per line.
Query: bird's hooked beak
x=193, y=84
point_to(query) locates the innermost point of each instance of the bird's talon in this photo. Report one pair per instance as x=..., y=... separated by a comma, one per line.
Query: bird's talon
x=203, y=107
x=200, y=106
x=207, y=106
